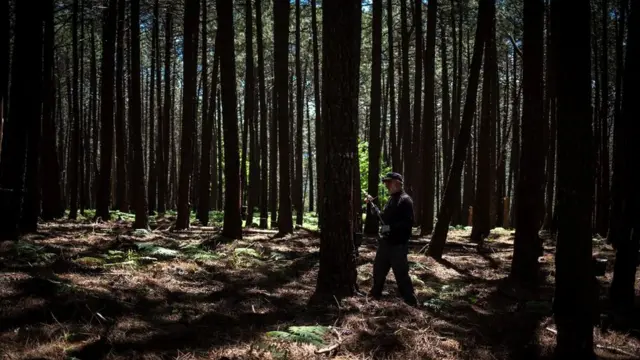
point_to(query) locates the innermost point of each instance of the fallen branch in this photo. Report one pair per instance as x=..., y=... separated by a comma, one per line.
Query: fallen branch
x=615, y=349
x=330, y=348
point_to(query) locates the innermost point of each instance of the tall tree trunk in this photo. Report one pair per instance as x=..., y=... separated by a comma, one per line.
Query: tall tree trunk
x=32, y=116
x=232, y=221
x=310, y=159
x=51, y=197
x=191, y=21
x=82, y=188
x=446, y=101
x=616, y=195
x=160, y=139
x=151, y=157
x=75, y=132
x=281, y=32
x=574, y=300
x=428, y=143
x=317, y=106
x=135, y=126
x=530, y=186
x=603, y=198
x=121, y=144
x=482, y=203
x=166, y=117
x=404, y=122
x=337, y=275
x=95, y=135
x=515, y=141
x=24, y=113
x=207, y=129
x=452, y=187
x=273, y=160
x=264, y=165
x=550, y=114
x=5, y=30
x=214, y=131
x=417, y=152
x=371, y=224
x=393, y=143
x=299, y=112
x=625, y=229
x=106, y=115
x=249, y=109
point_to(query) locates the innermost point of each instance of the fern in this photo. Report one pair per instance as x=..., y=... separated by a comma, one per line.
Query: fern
x=302, y=334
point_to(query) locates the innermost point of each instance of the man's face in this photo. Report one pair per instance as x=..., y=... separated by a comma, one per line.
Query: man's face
x=390, y=185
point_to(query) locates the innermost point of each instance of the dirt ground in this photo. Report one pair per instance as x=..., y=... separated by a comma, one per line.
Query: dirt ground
x=88, y=291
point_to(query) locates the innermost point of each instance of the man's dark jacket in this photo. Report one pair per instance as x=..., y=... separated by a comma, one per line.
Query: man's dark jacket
x=398, y=214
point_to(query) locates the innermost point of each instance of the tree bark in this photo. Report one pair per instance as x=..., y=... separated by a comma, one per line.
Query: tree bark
x=191, y=22
x=445, y=212
x=281, y=33
x=32, y=116
x=249, y=111
x=5, y=30
x=416, y=181
x=232, y=222
x=163, y=197
x=337, y=275
x=75, y=127
x=51, y=196
x=106, y=111
x=482, y=203
x=264, y=164
x=207, y=130
x=121, y=144
x=24, y=111
x=372, y=223
x=428, y=143
x=625, y=230
x=299, y=125
x=446, y=101
x=393, y=142
x=135, y=126
x=404, y=122
x=530, y=186
x=574, y=300
x=603, y=193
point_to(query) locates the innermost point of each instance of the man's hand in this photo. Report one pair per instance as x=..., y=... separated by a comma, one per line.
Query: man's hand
x=368, y=199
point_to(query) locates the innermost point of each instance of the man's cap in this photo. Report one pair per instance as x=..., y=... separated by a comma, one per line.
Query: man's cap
x=393, y=176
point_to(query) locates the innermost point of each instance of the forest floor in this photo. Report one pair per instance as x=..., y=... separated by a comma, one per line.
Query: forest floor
x=84, y=290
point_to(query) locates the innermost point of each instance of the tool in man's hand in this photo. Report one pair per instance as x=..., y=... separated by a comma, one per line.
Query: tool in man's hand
x=369, y=200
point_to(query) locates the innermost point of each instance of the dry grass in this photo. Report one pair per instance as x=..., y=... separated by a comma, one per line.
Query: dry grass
x=92, y=291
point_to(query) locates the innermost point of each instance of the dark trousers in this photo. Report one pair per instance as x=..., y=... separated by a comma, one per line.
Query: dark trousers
x=393, y=256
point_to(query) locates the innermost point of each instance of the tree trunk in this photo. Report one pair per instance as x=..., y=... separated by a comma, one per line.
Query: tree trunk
x=574, y=299
x=232, y=222
x=106, y=115
x=5, y=31
x=32, y=116
x=550, y=114
x=51, y=197
x=154, y=105
x=24, y=111
x=273, y=170
x=75, y=127
x=166, y=117
x=160, y=139
x=121, y=144
x=213, y=104
x=207, y=130
x=530, y=186
x=191, y=21
x=337, y=275
x=393, y=143
x=416, y=150
x=625, y=230
x=428, y=143
x=452, y=187
x=281, y=32
x=372, y=223
x=515, y=141
x=404, y=122
x=264, y=165
x=317, y=106
x=135, y=126
x=482, y=203
x=310, y=160
x=249, y=110
x=603, y=193
x=446, y=102
x=299, y=112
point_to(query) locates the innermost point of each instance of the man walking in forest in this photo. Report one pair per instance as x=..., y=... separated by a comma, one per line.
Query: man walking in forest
x=393, y=247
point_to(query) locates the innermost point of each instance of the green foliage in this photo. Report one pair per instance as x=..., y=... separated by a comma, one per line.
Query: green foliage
x=198, y=253
x=247, y=252
x=363, y=156
x=302, y=334
x=151, y=249
x=32, y=254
